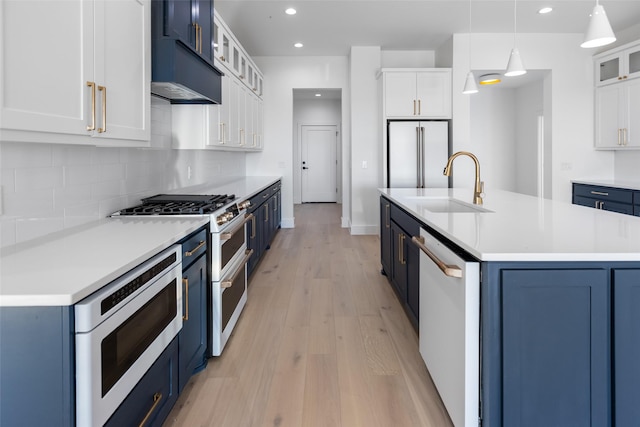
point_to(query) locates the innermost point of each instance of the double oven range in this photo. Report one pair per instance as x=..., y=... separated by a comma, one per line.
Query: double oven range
x=227, y=253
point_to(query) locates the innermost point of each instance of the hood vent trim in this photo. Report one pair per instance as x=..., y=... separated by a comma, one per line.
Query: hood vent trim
x=182, y=76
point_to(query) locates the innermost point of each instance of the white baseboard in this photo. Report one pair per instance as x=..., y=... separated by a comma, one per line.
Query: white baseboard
x=364, y=230
x=345, y=222
x=288, y=223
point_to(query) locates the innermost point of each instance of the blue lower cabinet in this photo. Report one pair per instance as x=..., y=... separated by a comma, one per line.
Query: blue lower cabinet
x=150, y=402
x=547, y=347
x=626, y=353
x=193, y=336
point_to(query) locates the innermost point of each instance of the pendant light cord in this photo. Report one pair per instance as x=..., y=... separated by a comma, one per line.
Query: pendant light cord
x=515, y=26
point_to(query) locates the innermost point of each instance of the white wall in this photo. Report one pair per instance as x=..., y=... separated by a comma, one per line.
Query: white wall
x=50, y=187
x=493, y=122
x=365, y=140
x=407, y=59
x=529, y=106
x=571, y=67
x=281, y=76
x=315, y=112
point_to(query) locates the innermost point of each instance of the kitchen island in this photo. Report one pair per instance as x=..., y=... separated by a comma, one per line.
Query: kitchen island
x=558, y=305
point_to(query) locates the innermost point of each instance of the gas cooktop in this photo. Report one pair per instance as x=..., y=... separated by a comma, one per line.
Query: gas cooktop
x=179, y=204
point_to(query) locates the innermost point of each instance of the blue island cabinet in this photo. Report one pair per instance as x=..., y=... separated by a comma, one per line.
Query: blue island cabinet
x=626, y=355
x=560, y=344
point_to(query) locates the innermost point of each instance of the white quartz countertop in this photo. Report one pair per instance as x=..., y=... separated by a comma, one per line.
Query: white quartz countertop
x=616, y=183
x=63, y=268
x=526, y=228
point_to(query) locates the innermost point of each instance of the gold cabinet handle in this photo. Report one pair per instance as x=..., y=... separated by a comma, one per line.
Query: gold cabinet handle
x=419, y=107
x=227, y=283
x=92, y=126
x=157, y=397
x=599, y=193
x=266, y=211
x=195, y=26
x=200, y=31
x=414, y=107
x=448, y=270
x=194, y=250
x=619, y=131
x=185, y=282
x=104, y=109
x=253, y=227
x=387, y=212
x=401, y=249
x=222, y=132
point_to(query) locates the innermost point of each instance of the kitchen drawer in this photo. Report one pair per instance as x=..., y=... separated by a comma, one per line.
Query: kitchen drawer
x=606, y=205
x=408, y=223
x=160, y=383
x=603, y=193
x=193, y=246
x=636, y=210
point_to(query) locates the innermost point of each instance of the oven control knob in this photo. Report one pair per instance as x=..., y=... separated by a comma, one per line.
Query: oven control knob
x=221, y=219
x=228, y=215
x=244, y=205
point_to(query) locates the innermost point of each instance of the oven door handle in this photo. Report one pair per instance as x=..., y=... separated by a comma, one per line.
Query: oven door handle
x=227, y=283
x=229, y=234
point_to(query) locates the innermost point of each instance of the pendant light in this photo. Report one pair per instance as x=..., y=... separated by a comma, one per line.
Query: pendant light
x=599, y=32
x=470, y=85
x=515, y=66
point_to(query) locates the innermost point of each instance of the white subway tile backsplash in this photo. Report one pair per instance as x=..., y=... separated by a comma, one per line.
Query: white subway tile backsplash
x=29, y=179
x=71, y=196
x=79, y=174
x=49, y=187
x=20, y=155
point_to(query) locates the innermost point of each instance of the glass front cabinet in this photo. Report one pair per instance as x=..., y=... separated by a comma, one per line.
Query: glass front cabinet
x=618, y=65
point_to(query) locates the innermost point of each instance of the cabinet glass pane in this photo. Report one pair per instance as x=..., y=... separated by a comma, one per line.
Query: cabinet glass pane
x=634, y=62
x=236, y=64
x=225, y=48
x=250, y=76
x=609, y=69
x=215, y=38
x=243, y=68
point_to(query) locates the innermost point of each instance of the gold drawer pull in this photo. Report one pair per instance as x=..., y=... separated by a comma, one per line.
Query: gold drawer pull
x=104, y=109
x=92, y=126
x=599, y=193
x=156, y=401
x=194, y=250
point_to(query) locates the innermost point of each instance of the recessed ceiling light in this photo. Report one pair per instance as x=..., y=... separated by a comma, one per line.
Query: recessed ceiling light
x=545, y=10
x=298, y=44
x=318, y=94
x=490, y=79
x=290, y=11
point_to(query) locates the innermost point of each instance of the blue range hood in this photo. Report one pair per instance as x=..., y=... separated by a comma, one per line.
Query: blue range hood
x=181, y=75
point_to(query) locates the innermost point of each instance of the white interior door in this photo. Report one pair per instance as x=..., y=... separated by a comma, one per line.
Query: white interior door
x=318, y=163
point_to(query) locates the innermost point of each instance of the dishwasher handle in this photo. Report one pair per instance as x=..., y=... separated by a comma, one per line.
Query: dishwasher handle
x=448, y=270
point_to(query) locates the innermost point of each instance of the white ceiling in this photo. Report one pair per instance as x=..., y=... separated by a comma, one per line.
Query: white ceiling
x=327, y=27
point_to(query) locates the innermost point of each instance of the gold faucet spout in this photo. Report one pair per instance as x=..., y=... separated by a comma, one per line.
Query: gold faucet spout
x=479, y=185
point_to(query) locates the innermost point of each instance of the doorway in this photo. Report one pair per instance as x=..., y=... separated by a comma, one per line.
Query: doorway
x=319, y=163
x=317, y=141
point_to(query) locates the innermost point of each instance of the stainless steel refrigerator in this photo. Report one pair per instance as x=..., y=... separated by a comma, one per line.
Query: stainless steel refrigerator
x=417, y=153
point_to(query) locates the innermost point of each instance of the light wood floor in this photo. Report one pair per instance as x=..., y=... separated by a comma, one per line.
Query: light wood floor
x=322, y=341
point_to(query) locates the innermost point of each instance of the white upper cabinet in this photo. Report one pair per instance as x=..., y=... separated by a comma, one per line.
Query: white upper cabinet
x=620, y=64
x=417, y=93
x=618, y=115
x=79, y=75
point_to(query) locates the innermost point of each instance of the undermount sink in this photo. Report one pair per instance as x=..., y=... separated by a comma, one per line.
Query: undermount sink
x=448, y=205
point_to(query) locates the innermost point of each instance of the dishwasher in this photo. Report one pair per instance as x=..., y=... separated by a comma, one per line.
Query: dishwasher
x=450, y=326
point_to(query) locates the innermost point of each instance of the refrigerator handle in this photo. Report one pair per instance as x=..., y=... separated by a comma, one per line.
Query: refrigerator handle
x=422, y=159
x=418, y=158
